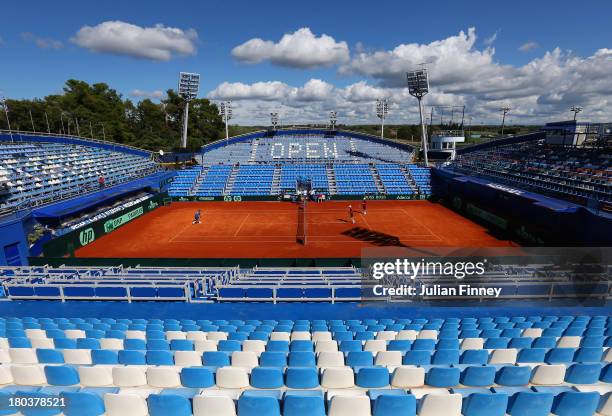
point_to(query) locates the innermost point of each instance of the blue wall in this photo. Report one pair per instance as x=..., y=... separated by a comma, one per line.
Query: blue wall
x=13, y=238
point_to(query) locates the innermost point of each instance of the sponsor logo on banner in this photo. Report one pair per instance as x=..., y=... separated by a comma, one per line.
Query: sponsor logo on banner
x=206, y=198
x=87, y=236
x=227, y=198
x=237, y=198
x=119, y=221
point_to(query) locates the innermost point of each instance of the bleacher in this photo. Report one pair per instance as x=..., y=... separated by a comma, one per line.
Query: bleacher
x=306, y=148
x=340, y=164
x=184, y=181
x=394, y=179
x=112, y=283
x=575, y=174
x=37, y=173
x=471, y=366
x=253, y=180
x=316, y=173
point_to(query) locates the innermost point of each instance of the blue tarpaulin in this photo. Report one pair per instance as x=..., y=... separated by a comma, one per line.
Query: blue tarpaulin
x=74, y=206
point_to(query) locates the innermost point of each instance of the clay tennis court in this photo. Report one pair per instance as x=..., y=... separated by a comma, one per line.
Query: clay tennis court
x=268, y=230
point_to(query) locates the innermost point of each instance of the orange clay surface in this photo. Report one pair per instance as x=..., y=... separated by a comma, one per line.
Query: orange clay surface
x=268, y=230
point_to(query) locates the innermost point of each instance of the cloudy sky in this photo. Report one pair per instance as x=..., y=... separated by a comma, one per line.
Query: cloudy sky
x=304, y=59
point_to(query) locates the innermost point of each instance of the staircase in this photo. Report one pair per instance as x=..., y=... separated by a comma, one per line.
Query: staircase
x=331, y=179
x=276, y=180
x=231, y=179
x=380, y=187
x=196, y=185
x=409, y=178
x=254, y=146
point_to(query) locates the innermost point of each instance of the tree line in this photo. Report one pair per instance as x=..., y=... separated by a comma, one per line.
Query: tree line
x=100, y=112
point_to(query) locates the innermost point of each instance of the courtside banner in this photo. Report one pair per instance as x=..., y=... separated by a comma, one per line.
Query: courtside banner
x=67, y=243
x=240, y=198
x=449, y=276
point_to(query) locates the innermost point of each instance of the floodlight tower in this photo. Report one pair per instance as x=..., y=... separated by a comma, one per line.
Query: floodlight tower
x=418, y=87
x=382, y=109
x=505, y=110
x=575, y=109
x=6, y=111
x=189, y=85
x=333, y=119
x=225, y=110
x=274, y=120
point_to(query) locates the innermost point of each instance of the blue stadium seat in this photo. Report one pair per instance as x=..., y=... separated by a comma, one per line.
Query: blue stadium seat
x=303, y=403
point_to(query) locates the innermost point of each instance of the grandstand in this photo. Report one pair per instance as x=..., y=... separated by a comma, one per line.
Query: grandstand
x=582, y=175
x=324, y=360
x=37, y=173
x=340, y=164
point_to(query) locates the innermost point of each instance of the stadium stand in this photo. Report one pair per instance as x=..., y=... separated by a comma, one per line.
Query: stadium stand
x=341, y=164
x=576, y=174
x=37, y=173
x=493, y=365
x=261, y=284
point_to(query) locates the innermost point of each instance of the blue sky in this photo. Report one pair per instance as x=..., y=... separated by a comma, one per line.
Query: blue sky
x=43, y=44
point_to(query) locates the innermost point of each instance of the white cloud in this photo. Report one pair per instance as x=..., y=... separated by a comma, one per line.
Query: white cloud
x=42, y=43
x=461, y=74
x=491, y=39
x=300, y=49
x=154, y=95
x=529, y=46
x=158, y=43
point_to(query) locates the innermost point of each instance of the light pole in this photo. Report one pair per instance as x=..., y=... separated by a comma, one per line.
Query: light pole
x=47, y=120
x=418, y=87
x=225, y=110
x=62, y=122
x=274, y=120
x=189, y=84
x=505, y=110
x=103, y=133
x=32, y=120
x=76, y=122
x=382, y=109
x=333, y=119
x=6, y=111
x=575, y=109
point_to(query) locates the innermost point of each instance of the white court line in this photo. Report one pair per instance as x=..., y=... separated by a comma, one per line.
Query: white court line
x=241, y=224
x=424, y=226
x=182, y=230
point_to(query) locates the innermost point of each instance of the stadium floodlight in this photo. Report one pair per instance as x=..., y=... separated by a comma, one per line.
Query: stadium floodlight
x=505, y=110
x=6, y=111
x=189, y=85
x=418, y=87
x=274, y=120
x=575, y=109
x=382, y=109
x=225, y=110
x=333, y=119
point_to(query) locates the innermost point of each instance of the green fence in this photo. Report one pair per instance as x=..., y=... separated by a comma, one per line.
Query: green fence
x=68, y=243
x=241, y=198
